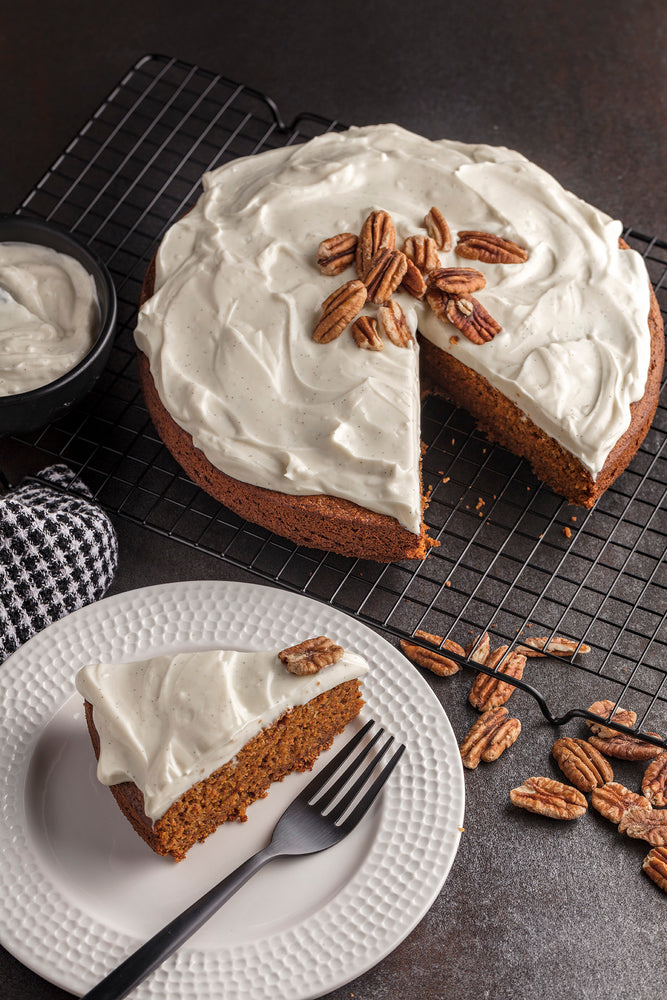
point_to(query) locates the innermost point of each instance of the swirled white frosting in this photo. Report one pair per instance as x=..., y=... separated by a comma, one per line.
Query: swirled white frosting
x=49, y=315
x=228, y=331
x=171, y=721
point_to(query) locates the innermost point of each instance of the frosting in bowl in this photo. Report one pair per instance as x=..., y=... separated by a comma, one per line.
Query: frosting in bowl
x=237, y=295
x=49, y=315
x=170, y=721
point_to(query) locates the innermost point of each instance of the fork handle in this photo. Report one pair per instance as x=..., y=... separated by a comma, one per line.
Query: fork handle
x=150, y=955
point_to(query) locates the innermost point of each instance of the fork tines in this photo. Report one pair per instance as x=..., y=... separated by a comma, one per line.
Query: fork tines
x=342, y=777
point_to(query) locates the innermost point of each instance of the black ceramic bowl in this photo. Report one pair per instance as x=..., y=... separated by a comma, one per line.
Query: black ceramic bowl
x=26, y=411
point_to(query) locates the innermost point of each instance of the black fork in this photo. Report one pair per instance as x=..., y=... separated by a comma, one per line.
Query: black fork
x=307, y=826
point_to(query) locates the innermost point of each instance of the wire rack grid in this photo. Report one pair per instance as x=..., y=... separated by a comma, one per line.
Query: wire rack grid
x=515, y=559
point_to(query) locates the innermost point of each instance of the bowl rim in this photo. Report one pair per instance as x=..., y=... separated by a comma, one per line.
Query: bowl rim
x=95, y=267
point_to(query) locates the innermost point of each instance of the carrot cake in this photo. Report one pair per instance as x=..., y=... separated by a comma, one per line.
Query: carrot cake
x=187, y=742
x=278, y=413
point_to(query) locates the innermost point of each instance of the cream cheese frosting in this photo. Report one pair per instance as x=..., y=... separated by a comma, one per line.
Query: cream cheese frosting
x=49, y=315
x=237, y=295
x=168, y=722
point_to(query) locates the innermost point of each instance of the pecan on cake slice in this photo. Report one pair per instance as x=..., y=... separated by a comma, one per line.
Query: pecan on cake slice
x=385, y=273
x=394, y=324
x=311, y=655
x=366, y=334
x=422, y=251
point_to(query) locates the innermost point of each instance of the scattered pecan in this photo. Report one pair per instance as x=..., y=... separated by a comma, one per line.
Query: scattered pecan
x=614, y=799
x=422, y=251
x=655, y=866
x=558, y=646
x=476, y=245
x=654, y=782
x=645, y=824
x=624, y=717
x=490, y=692
x=385, y=273
x=394, y=324
x=479, y=649
x=624, y=747
x=471, y=318
x=581, y=763
x=457, y=280
x=489, y=736
x=336, y=253
x=430, y=660
x=549, y=798
x=366, y=335
x=413, y=280
x=428, y=636
x=339, y=310
x=377, y=233
x=438, y=230
x=311, y=655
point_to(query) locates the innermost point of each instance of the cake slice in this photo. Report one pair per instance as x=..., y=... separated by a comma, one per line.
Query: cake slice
x=187, y=742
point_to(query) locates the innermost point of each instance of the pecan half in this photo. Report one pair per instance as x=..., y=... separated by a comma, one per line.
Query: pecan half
x=655, y=866
x=549, y=798
x=366, y=335
x=339, y=310
x=491, y=249
x=471, y=318
x=422, y=251
x=385, y=273
x=488, y=737
x=558, y=646
x=654, y=782
x=430, y=660
x=645, y=824
x=457, y=280
x=336, y=253
x=394, y=324
x=490, y=692
x=413, y=280
x=624, y=747
x=613, y=800
x=624, y=717
x=479, y=649
x=581, y=763
x=311, y=655
x=377, y=233
x=438, y=230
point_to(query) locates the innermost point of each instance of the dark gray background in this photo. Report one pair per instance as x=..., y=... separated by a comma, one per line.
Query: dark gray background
x=531, y=907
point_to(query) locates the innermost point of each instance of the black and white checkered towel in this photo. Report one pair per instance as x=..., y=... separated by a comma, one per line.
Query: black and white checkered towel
x=58, y=552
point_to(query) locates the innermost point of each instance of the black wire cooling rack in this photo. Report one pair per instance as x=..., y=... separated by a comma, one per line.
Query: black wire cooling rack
x=515, y=559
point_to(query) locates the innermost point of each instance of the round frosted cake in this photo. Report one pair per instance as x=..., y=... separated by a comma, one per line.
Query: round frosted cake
x=465, y=269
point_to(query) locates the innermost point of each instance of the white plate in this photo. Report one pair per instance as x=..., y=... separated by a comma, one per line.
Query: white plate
x=79, y=890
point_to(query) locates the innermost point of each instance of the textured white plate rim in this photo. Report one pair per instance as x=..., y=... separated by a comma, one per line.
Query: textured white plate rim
x=419, y=828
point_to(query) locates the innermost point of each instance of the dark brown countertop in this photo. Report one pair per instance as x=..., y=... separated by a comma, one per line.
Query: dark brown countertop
x=531, y=907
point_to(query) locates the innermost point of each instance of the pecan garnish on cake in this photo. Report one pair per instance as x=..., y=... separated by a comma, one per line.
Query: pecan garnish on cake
x=385, y=273
x=477, y=245
x=311, y=655
x=438, y=230
x=339, y=310
x=394, y=324
x=422, y=251
x=377, y=233
x=457, y=280
x=366, y=334
x=336, y=253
